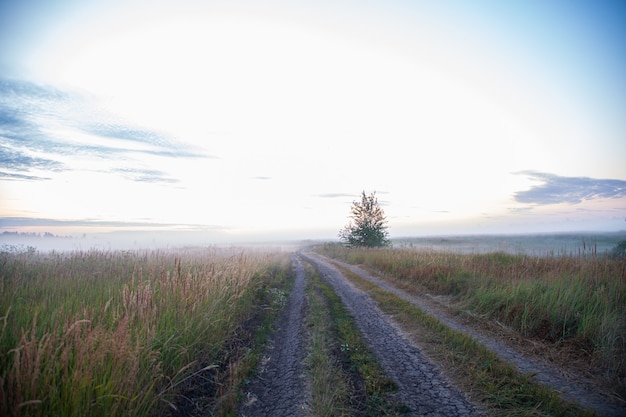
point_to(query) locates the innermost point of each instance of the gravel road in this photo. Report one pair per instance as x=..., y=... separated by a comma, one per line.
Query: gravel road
x=421, y=386
x=279, y=388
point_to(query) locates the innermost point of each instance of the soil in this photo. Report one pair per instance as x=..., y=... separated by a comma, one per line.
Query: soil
x=279, y=388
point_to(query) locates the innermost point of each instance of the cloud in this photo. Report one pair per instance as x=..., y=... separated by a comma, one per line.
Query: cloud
x=146, y=175
x=11, y=120
x=336, y=195
x=13, y=176
x=17, y=160
x=41, y=125
x=9, y=222
x=13, y=222
x=519, y=210
x=23, y=97
x=155, y=143
x=555, y=189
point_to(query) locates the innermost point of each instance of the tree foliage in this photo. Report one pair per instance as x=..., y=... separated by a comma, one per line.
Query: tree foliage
x=368, y=226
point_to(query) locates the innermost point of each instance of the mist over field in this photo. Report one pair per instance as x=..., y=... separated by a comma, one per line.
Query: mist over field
x=132, y=241
x=545, y=244
x=583, y=243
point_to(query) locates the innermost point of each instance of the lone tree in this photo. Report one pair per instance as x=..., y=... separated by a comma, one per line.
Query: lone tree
x=368, y=225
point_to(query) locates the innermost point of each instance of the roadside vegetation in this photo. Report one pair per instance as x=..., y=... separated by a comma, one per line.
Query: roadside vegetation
x=498, y=386
x=581, y=301
x=105, y=333
x=346, y=379
x=575, y=303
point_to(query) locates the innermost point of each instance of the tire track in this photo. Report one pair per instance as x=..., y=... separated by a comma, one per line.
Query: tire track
x=279, y=389
x=421, y=386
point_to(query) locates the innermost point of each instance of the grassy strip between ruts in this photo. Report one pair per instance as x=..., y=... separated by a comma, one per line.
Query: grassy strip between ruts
x=346, y=378
x=328, y=383
x=502, y=390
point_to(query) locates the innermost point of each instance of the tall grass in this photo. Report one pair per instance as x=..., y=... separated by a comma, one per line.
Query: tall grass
x=580, y=300
x=105, y=333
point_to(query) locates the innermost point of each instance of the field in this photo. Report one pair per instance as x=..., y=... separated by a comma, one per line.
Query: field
x=547, y=244
x=179, y=332
x=575, y=302
x=119, y=333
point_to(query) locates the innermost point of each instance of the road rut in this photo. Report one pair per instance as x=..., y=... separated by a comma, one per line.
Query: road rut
x=279, y=388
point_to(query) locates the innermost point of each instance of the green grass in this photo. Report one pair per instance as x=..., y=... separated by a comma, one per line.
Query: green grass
x=329, y=383
x=105, y=333
x=577, y=300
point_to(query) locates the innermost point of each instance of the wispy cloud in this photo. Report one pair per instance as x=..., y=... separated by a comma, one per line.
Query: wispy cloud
x=146, y=175
x=21, y=177
x=14, y=159
x=336, y=195
x=122, y=138
x=15, y=222
x=555, y=189
x=9, y=222
x=41, y=126
x=520, y=210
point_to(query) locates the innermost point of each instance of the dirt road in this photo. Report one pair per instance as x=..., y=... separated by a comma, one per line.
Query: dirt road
x=280, y=388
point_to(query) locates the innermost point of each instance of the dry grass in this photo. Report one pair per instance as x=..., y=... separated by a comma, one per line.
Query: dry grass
x=113, y=333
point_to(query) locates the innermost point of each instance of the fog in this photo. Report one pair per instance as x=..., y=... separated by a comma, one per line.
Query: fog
x=545, y=244
x=113, y=241
x=548, y=244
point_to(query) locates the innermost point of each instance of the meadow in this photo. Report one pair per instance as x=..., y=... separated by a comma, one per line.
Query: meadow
x=112, y=333
x=575, y=302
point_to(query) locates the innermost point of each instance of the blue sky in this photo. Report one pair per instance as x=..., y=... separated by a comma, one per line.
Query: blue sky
x=248, y=119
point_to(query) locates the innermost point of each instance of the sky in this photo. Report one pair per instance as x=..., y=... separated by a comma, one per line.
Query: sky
x=244, y=119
